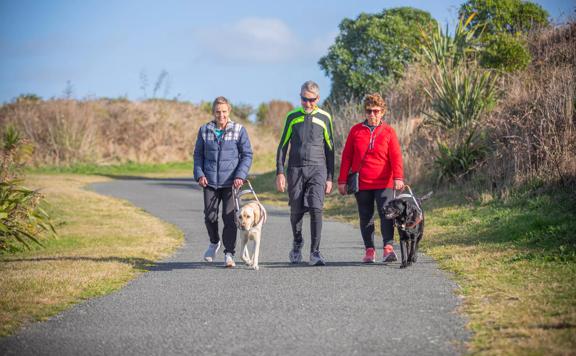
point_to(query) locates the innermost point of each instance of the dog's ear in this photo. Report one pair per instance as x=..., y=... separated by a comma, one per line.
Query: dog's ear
x=427, y=196
x=402, y=205
x=411, y=212
x=256, y=210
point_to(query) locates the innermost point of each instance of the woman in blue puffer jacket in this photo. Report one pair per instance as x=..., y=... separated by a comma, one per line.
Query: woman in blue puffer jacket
x=222, y=159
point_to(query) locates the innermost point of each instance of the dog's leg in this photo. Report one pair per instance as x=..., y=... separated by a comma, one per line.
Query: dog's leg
x=415, y=257
x=403, y=250
x=412, y=250
x=244, y=250
x=256, y=252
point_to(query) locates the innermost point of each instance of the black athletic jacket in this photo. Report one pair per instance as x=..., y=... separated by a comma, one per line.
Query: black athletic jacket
x=310, y=139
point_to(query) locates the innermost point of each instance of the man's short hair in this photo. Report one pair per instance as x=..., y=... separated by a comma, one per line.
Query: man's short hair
x=310, y=86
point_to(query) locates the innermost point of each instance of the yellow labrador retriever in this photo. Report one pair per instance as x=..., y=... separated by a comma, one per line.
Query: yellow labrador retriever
x=250, y=219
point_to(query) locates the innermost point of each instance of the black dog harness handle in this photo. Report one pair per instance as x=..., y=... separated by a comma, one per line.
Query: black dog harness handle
x=411, y=196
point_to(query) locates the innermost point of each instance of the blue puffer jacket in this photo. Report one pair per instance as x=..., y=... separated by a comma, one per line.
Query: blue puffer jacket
x=221, y=161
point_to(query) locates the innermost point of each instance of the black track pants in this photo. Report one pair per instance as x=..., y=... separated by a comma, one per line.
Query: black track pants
x=212, y=199
x=365, y=200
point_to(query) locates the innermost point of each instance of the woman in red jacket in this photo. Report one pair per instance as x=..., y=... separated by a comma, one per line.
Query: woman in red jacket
x=372, y=149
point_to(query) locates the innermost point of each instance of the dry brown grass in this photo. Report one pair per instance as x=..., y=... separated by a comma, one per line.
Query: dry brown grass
x=102, y=244
x=65, y=132
x=534, y=125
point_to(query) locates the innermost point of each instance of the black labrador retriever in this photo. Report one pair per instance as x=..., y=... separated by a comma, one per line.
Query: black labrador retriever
x=406, y=211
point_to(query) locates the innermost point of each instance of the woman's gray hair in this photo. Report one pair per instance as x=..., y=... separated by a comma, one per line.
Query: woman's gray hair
x=310, y=86
x=221, y=100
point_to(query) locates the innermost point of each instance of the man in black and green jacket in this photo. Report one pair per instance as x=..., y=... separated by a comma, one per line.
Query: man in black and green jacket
x=308, y=134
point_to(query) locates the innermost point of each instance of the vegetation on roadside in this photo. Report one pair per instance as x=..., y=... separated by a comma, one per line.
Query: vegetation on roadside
x=123, y=169
x=72, y=133
x=515, y=263
x=102, y=244
x=22, y=216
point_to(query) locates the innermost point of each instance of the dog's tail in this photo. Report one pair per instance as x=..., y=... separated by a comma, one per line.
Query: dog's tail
x=427, y=196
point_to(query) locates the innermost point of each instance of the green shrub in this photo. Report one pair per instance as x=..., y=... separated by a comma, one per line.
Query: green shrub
x=22, y=218
x=458, y=160
x=505, y=52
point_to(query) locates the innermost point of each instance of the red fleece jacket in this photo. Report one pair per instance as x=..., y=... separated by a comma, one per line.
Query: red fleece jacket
x=383, y=161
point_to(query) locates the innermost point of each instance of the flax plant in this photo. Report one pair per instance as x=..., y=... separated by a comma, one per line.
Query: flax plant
x=460, y=93
x=22, y=219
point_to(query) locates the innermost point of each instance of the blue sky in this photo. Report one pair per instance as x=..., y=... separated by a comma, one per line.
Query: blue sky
x=249, y=51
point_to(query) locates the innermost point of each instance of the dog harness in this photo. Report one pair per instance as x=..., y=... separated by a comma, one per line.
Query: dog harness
x=420, y=216
x=237, y=194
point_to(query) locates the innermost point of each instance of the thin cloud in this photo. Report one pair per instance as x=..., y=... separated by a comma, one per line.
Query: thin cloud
x=256, y=40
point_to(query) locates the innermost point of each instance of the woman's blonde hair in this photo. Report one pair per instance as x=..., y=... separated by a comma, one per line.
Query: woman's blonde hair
x=221, y=100
x=375, y=99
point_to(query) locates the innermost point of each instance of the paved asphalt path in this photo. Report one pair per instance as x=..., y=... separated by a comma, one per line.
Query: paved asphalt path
x=185, y=306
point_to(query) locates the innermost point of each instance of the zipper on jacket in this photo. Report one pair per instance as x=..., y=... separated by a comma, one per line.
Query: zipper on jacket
x=218, y=142
x=372, y=137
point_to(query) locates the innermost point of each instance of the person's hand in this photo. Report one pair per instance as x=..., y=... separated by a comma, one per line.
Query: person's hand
x=328, y=186
x=238, y=182
x=281, y=182
x=342, y=189
x=398, y=184
x=203, y=182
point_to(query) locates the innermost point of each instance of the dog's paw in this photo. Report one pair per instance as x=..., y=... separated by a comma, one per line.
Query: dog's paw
x=403, y=265
x=255, y=267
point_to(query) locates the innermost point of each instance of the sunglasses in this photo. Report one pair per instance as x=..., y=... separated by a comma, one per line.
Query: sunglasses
x=373, y=111
x=307, y=100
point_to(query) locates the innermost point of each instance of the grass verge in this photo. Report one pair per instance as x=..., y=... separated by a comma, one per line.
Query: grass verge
x=515, y=261
x=103, y=243
x=124, y=169
x=261, y=163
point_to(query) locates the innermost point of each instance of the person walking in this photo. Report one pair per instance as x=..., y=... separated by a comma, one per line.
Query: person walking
x=308, y=175
x=372, y=149
x=222, y=160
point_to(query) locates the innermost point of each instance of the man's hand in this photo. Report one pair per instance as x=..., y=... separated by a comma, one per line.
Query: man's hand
x=203, y=182
x=328, y=186
x=281, y=182
x=342, y=189
x=398, y=184
x=238, y=182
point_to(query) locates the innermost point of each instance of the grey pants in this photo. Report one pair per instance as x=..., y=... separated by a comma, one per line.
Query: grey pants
x=306, y=190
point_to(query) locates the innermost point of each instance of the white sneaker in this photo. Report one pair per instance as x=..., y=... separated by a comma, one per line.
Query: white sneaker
x=229, y=260
x=316, y=259
x=211, y=252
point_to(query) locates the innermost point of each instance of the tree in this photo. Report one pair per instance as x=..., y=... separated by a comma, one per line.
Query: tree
x=505, y=24
x=511, y=16
x=373, y=50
